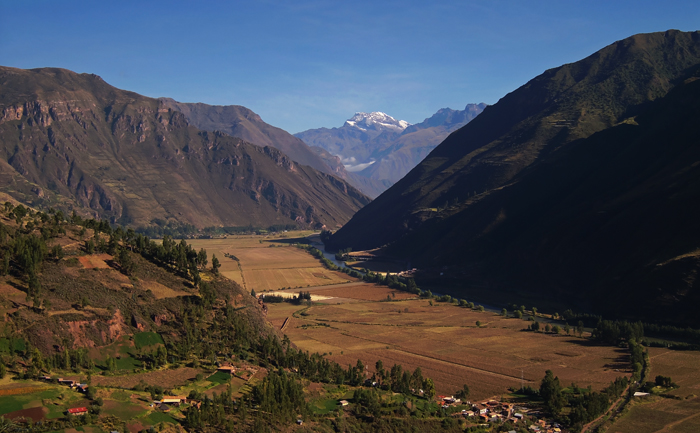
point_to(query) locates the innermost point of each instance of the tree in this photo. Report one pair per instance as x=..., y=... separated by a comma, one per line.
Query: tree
x=252, y=292
x=664, y=381
x=550, y=391
x=579, y=328
x=202, y=258
x=535, y=326
x=478, y=324
x=519, y=314
x=504, y=312
x=57, y=252
x=379, y=366
x=462, y=393
x=125, y=263
x=534, y=311
x=556, y=329
x=567, y=328
x=215, y=265
x=547, y=328
x=429, y=388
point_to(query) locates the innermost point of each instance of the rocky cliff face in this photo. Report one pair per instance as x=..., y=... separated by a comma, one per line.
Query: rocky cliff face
x=241, y=122
x=72, y=141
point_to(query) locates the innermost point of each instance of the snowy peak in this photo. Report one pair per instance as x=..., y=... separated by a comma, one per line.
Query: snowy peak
x=377, y=121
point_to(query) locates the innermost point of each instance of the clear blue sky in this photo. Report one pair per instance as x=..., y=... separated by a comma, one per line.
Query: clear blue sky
x=306, y=64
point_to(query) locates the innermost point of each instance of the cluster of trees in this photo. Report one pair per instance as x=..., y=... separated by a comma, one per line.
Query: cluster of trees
x=614, y=332
x=403, y=381
x=585, y=405
x=22, y=250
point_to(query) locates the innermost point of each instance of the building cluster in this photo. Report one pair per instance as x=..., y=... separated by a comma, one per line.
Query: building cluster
x=168, y=402
x=245, y=373
x=493, y=411
x=72, y=384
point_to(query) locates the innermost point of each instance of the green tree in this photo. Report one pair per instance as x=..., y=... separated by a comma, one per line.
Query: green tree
x=462, y=393
x=551, y=393
x=57, y=252
x=478, y=324
x=125, y=262
x=215, y=265
x=504, y=312
x=567, y=328
x=519, y=314
x=556, y=329
x=202, y=258
x=429, y=388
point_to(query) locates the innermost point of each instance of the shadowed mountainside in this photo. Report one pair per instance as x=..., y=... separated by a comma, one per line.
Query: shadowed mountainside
x=73, y=141
x=576, y=187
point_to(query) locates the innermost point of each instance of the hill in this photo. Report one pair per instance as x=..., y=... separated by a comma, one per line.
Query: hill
x=72, y=141
x=377, y=146
x=573, y=188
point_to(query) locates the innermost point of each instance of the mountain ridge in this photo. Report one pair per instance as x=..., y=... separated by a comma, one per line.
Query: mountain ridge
x=476, y=201
x=239, y=121
x=386, y=149
x=73, y=141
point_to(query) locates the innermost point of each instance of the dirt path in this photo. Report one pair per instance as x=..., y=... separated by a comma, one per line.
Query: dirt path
x=613, y=406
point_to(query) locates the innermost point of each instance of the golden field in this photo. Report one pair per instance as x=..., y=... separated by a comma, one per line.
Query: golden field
x=672, y=415
x=445, y=342
x=268, y=262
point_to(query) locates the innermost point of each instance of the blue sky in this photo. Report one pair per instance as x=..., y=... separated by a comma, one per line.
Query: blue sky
x=307, y=64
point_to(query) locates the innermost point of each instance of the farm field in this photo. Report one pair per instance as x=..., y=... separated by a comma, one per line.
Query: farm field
x=168, y=379
x=654, y=413
x=268, y=263
x=446, y=343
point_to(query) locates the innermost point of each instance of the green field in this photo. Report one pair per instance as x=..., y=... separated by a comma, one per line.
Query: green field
x=219, y=377
x=144, y=339
x=158, y=417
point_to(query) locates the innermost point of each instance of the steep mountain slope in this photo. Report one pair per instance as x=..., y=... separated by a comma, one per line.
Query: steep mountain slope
x=377, y=146
x=528, y=196
x=241, y=122
x=71, y=140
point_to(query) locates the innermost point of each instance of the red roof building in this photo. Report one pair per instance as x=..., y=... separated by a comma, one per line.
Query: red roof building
x=78, y=411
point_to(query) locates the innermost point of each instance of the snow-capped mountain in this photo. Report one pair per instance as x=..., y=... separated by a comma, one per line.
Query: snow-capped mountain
x=376, y=120
x=379, y=147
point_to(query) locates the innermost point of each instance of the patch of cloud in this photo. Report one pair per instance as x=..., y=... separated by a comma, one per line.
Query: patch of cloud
x=352, y=168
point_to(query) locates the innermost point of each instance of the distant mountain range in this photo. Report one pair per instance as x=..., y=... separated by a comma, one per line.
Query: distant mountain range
x=73, y=142
x=578, y=189
x=377, y=146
